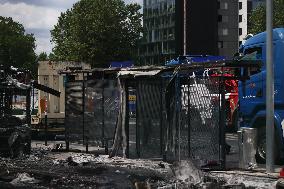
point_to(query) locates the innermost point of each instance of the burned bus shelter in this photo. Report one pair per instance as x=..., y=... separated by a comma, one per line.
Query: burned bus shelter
x=180, y=110
x=15, y=109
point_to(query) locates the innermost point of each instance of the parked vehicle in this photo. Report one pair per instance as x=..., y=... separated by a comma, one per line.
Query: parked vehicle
x=252, y=97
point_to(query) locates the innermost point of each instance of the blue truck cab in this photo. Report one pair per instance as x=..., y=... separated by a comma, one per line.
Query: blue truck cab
x=252, y=92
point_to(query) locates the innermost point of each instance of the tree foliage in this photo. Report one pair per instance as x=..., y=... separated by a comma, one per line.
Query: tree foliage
x=97, y=31
x=257, y=20
x=16, y=47
x=42, y=56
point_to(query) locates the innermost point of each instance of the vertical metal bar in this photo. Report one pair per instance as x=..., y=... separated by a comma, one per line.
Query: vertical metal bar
x=28, y=107
x=137, y=119
x=33, y=90
x=222, y=123
x=127, y=117
x=83, y=108
x=1, y=103
x=103, y=113
x=269, y=88
x=45, y=121
x=87, y=145
x=188, y=116
x=161, y=117
x=184, y=27
x=178, y=105
x=65, y=117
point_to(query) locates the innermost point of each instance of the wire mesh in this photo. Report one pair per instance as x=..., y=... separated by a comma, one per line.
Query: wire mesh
x=74, y=110
x=148, y=121
x=101, y=110
x=111, y=107
x=100, y=106
x=204, y=119
x=177, y=118
x=94, y=112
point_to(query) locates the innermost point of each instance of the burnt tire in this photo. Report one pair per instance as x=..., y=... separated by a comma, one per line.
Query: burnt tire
x=260, y=155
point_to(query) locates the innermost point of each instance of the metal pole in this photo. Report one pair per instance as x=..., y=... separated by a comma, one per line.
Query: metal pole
x=188, y=116
x=66, y=115
x=83, y=108
x=178, y=104
x=269, y=89
x=127, y=116
x=45, y=121
x=103, y=113
x=137, y=93
x=184, y=27
x=33, y=90
x=161, y=118
x=222, y=122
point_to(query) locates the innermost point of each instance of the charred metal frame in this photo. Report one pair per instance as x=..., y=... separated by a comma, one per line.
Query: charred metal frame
x=130, y=80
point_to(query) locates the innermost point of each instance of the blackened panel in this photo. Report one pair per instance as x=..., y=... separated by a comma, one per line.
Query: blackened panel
x=179, y=26
x=202, y=27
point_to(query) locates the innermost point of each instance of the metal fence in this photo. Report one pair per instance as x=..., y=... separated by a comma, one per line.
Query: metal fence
x=91, y=110
x=74, y=111
x=176, y=117
x=149, y=108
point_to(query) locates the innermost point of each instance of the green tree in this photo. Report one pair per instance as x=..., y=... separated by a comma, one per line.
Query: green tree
x=98, y=31
x=42, y=56
x=51, y=57
x=16, y=47
x=257, y=20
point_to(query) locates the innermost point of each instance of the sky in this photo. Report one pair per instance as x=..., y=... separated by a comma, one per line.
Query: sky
x=39, y=17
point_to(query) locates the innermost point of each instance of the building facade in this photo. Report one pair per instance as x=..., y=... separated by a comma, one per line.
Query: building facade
x=177, y=27
x=243, y=19
x=158, y=44
x=228, y=27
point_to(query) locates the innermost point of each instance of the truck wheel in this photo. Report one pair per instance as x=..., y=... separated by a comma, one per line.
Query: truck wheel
x=260, y=155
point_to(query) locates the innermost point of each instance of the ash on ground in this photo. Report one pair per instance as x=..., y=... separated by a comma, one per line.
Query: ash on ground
x=45, y=168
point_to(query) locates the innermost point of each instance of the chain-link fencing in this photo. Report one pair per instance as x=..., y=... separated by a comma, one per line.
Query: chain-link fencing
x=91, y=111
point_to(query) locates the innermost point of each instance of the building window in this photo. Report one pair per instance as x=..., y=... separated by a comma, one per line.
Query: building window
x=220, y=44
x=240, y=31
x=240, y=5
x=223, y=31
x=225, y=18
x=224, y=5
x=240, y=18
x=249, y=6
x=218, y=5
x=219, y=18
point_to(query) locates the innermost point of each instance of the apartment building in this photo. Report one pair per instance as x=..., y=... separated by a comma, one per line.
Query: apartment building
x=176, y=27
x=158, y=44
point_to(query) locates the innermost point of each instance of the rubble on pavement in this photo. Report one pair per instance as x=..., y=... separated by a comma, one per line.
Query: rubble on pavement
x=47, y=169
